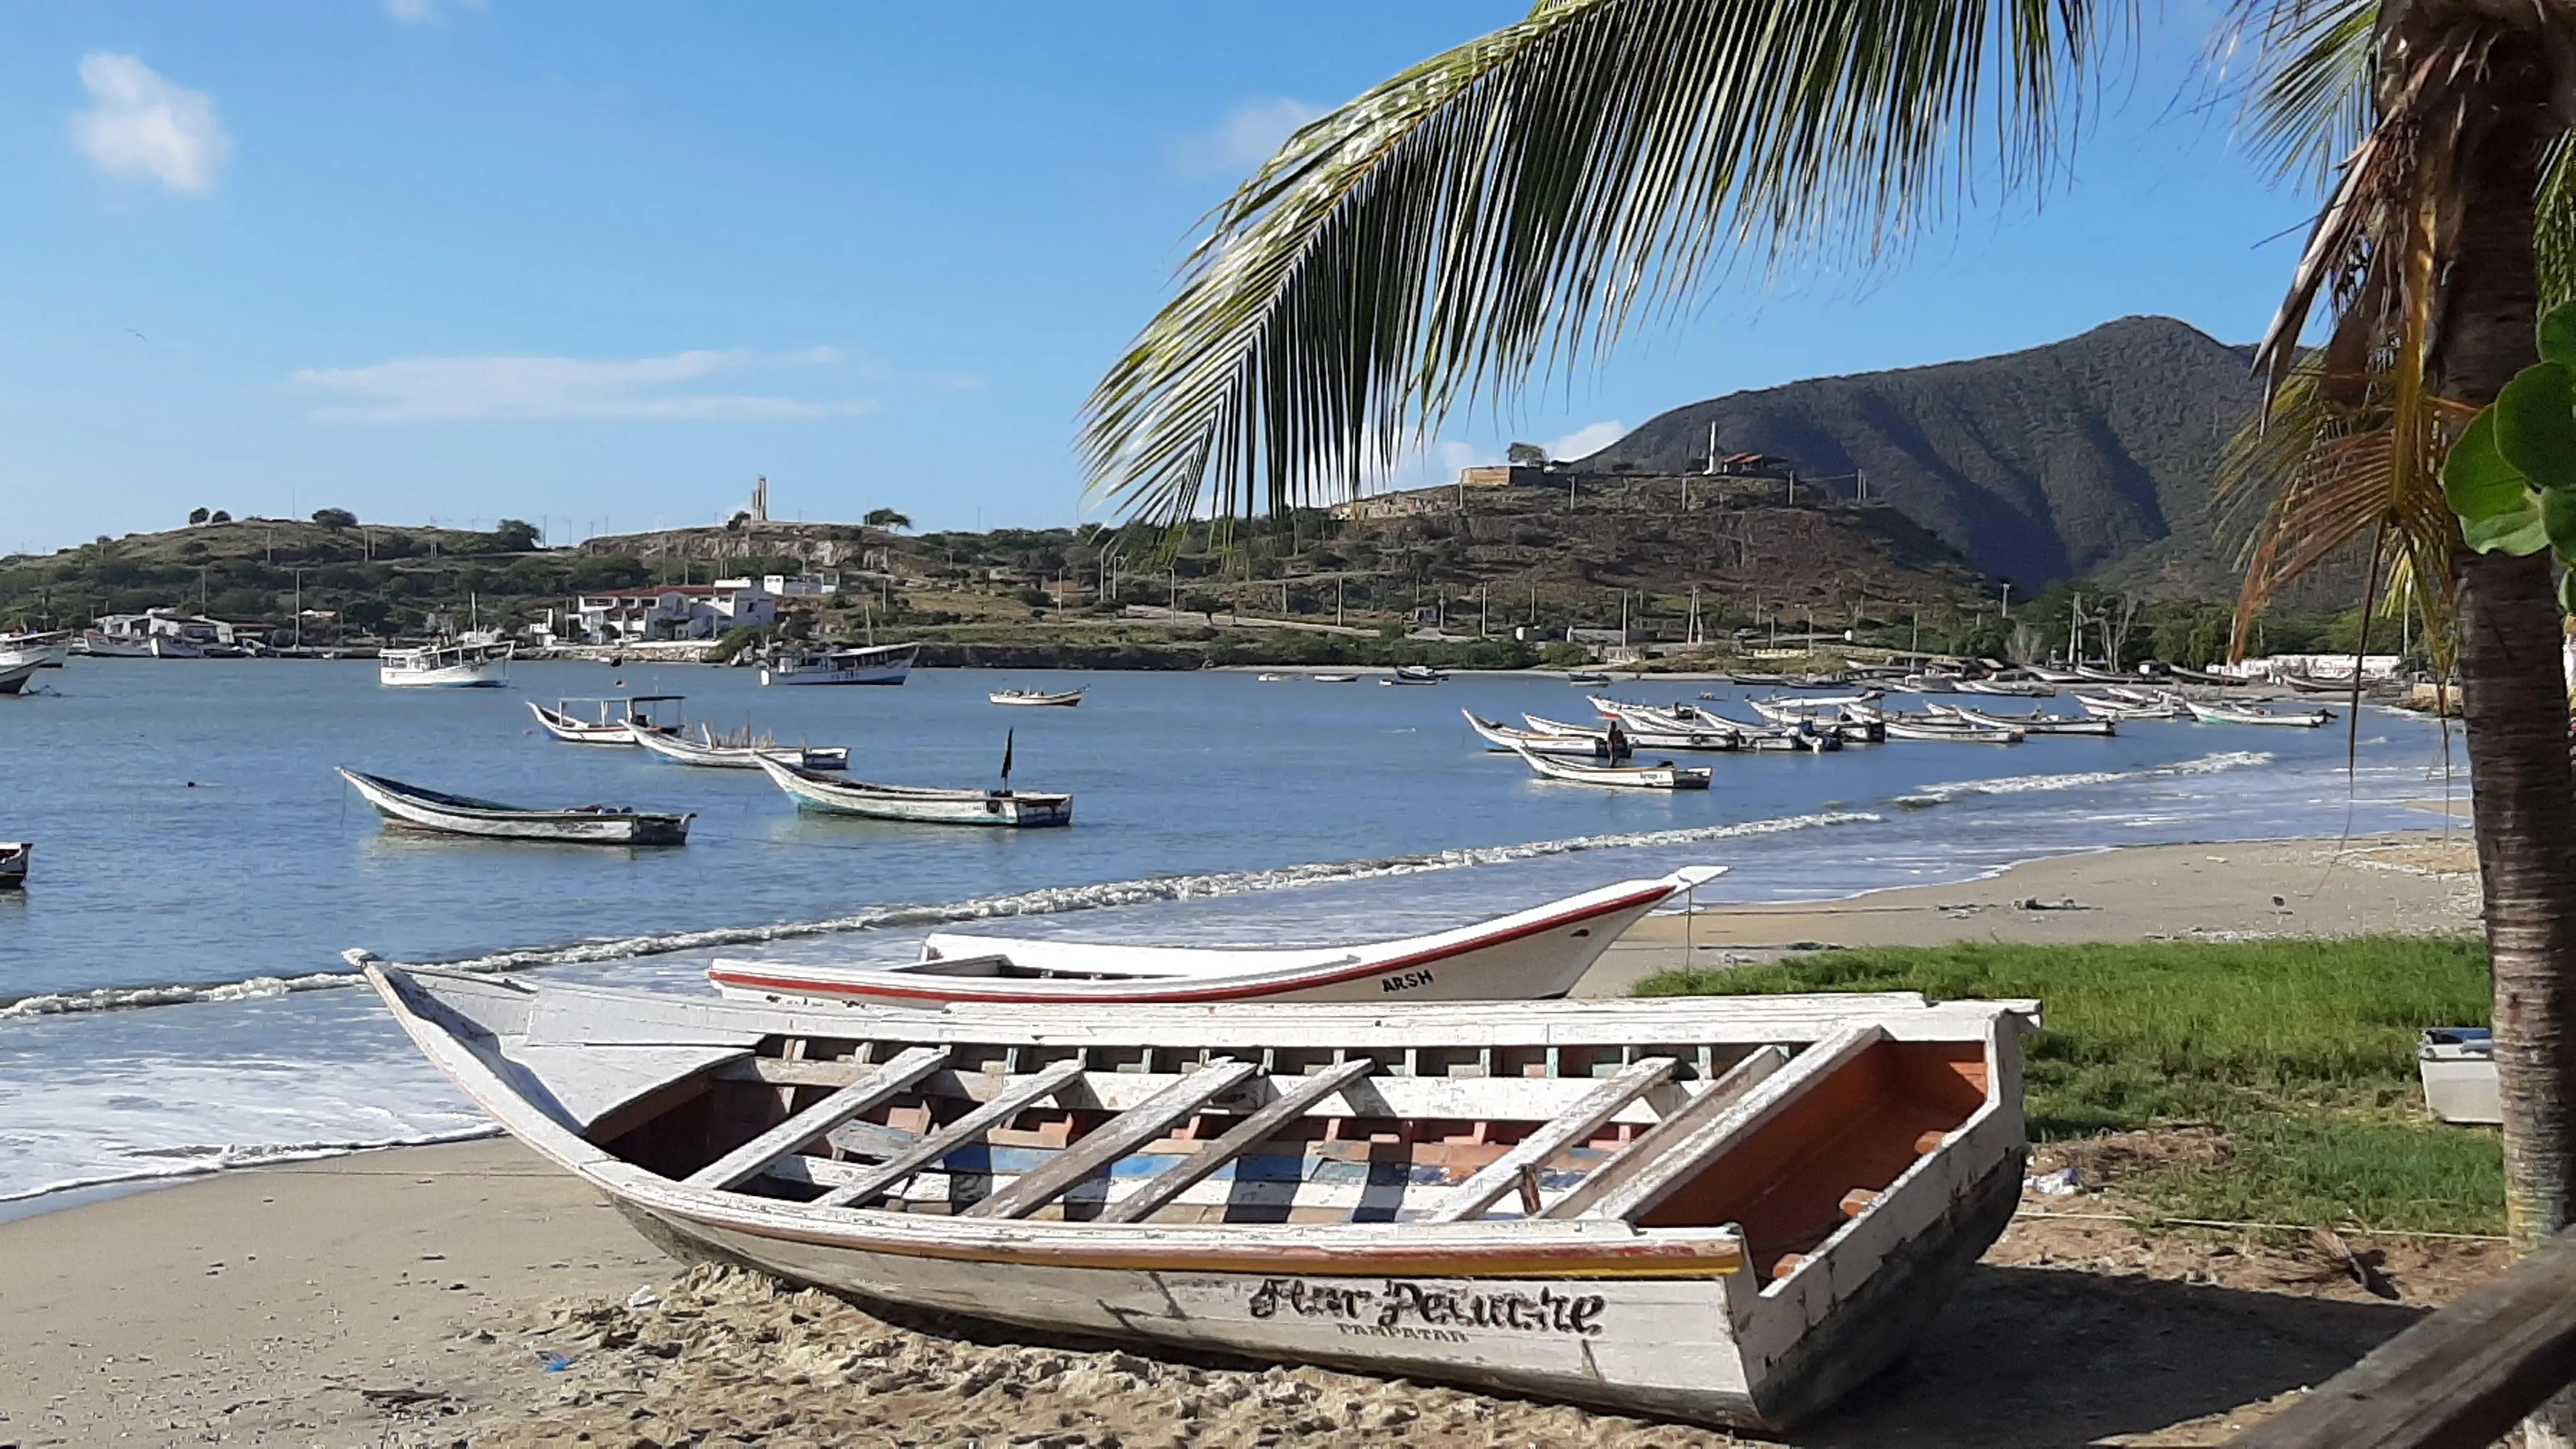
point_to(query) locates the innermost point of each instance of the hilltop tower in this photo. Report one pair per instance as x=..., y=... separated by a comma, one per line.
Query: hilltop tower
x=760, y=499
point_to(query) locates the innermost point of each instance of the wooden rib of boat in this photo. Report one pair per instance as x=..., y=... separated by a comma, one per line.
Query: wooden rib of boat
x=2247, y=714
x=918, y=804
x=871, y=664
x=1730, y=1211
x=1661, y=775
x=2036, y=722
x=1532, y=955
x=615, y=719
x=1504, y=739
x=1027, y=698
x=449, y=665
x=711, y=751
x=15, y=857
x=411, y=807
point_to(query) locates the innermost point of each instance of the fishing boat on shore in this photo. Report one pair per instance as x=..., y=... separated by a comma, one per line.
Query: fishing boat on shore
x=1503, y=739
x=412, y=807
x=1661, y=775
x=739, y=751
x=921, y=805
x=864, y=664
x=1726, y=1210
x=614, y=720
x=1532, y=955
x=452, y=664
x=1037, y=698
x=2251, y=714
x=2036, y=722
x=15, y=857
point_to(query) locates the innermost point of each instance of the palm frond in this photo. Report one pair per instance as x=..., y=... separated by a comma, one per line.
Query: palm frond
x=1515, y=202
x=2553, y=239
x=2307, y=97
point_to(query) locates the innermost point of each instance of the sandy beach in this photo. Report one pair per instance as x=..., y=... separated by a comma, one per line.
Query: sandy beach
x=466, y=1294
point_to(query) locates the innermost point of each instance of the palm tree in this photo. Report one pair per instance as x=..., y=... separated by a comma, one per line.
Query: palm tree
x=1513, y=204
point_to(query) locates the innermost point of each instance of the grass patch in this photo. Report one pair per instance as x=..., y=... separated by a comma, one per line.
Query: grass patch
x=2303, y=1052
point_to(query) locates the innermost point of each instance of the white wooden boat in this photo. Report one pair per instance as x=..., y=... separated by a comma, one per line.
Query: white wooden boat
x=50, y=648
x=869, y=664
x=1730, y=1211
x=1334, y=678
x=825, y=795
x=2037, y=722
x=448, y=665
x=15, y=857
x=410, y=807
x=1504, y=739
x=2007, y=687
x=1532, y=955
x=99, y=644
x=711, y=751
x=171, y=646
x=2102, y=706
x=2457, y=1065
x=1661, y=775
x=2249, y=714
x=1038, y=698
x=1938, y=729
x=1715, y=735
x=614, y=720
x=13, y=678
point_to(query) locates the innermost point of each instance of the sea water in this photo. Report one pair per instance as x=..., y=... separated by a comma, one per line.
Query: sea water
x=173, y=997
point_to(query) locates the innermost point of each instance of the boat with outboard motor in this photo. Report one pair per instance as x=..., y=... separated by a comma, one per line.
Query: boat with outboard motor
x=920, y=805
x=2036, y=722
x=15, y=857
x=1503, y=739
x=413, y=807
x=739, y=751
x=614, y=719
x=1038, y=698
x=859, y=664
x=2249, y=714
x=1661, y=775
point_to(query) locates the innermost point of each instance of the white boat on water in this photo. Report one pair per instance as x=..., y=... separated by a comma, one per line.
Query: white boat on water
x=2036, y=722
x=919, y=804
x=1504, y=739
x=1726, y=1210
x=415, y=808
x=2248, y=714
x=1661, y=775
x=14, y=677
x=1712, y=735
x=452, y=664
x=1532, y=955
x=1334, y=678
x=864, y=664
x=614, y=720
x=99, y=644
x=742, y=751
x=1037, y=698
x=2129, y=705
x=49, y=648
x=1944, y=730
x=171, y=646
x=15, y=857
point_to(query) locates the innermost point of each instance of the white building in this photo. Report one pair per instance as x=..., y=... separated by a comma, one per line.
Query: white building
x=683, y=611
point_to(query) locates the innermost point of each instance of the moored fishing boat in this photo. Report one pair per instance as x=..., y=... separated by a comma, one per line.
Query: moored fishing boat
x=2248, y=714
x=2036, y=722
x=2013, y=689
x=99, y=644
x=922, y=805
x=1713, y=734
x=172, y=646
x=2129, y=704
x=742, y=751
x=1414, y=674
x=1942, y=730
x=1731, y=1211
x=15, y=857
x=1334, y=678
x=1661, y=775
x=1504, y=739
x=867, y=664
x=1025, y=698
x=413, y=807
x=49, y=648
x=1531, y=955
x=448, y=665
x=615, y=720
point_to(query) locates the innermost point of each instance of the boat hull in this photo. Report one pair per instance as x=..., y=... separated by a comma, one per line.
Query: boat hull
x=681, y=750
x=915, y=805
x=15, y=856
x=13, y=678
x=493, y=675
x=406, y=808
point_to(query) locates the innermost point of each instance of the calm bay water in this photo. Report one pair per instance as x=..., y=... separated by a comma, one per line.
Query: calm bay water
x=194, y=849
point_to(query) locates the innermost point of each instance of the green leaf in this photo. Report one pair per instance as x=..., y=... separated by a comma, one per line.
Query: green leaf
x=2520, y=533
x=2567, y=591
x=2535, y=424
x=2558, y=517
x=2558, y=335
x=2476, y=479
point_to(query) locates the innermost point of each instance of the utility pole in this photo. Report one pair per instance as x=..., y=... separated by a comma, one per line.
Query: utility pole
x=1860, y=477
x=299, y=608
x=1337, y=600
x=1481, y=605
x=1709, y=464
x=2007, y=598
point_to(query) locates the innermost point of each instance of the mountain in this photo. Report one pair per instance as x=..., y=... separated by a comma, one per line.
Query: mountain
x=2091, y=457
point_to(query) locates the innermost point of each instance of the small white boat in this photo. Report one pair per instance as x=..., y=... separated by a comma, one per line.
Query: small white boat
x=1270, y=679
x=2005, y=687
x=2037, y=722
x=921, y=805
x=1334, y=678
x=1937, y=729
x=1415, y=674
x=1724, y=1210
x=1661, y=775
x=711, y=751
x=414, y=808
x=15, y=856
x=448, y=665
x=49, y=648
x=2250, y=714
x=1503, y=739
x=171, y=646
x=1037, y=698
x=13, y=678
x=99, y=644
x=2126, y=706
x=1532, y=955
x=614, y=720
x=868, y=664
x=1715, y=735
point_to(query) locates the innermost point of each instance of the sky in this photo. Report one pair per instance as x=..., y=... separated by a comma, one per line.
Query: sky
x=599, y=265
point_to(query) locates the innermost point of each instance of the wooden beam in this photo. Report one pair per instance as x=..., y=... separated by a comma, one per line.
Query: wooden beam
x=1576, y=1124
x=1012, y=1100
x=1112, y=1140
x=2460, y=1379
x=751, y=1158
x=1652, y=1143
x=1159, y=1190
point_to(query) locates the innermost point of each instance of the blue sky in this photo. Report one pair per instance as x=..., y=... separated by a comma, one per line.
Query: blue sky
x=599, y=265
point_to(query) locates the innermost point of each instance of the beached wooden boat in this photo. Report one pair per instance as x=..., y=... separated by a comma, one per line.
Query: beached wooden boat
x=2248, y=714
x=614, y=720
x=15, y=857
x=2036, y=722
x=922, y=805
x=1504, y=739
x=870, y=664
x=1025, y=698
x=448, y=665
x=410, y=807
x=1532, y=955
x=1661, y=775
x=1731, y=1211
x=711, y=751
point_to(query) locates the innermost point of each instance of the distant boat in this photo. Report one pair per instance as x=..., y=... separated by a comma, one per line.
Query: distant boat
x=1270, y=679
x=866, y=664
x=415, y=808
x=2037, y=722
x=712, y=752
x=1025, y=698
x=918, y=804
x=2018, y=691
x=1504, y=740
x=171, y=646
x=1586, y=676
x=1945, y=730
x=616, y=719
x=1414, y=674
x=14, y=858
x=99, y=644
x=1335, y=678
x=1532, y=955
x=1708, y=733
x=449, y=665
x=2247, y=714
x=1662, y=775
x=49, y=648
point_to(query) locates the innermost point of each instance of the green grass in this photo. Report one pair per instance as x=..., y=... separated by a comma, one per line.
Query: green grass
x=2303, y=1052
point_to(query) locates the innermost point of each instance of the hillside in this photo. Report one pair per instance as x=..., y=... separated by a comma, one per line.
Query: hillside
x=2088, y=457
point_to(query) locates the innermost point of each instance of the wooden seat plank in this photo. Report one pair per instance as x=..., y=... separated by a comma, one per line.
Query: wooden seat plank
x=1576, y=1124
x=1112, y=1140
x=1159, y=1190
x=1012, y=1100
x=751, y=1158
x=1646, y=1146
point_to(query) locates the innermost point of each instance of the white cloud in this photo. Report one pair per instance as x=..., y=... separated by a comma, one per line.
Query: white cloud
x=1250, y=134
x=1586, y=440
x=139, y=124
x=487, y=389
x=420, y=12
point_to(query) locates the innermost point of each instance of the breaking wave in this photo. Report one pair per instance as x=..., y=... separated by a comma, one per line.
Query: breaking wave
x=179, y=1162
x=1053, y=900
x=2033, y=784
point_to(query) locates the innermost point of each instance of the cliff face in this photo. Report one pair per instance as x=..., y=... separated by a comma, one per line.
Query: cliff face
x=2092, y=456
